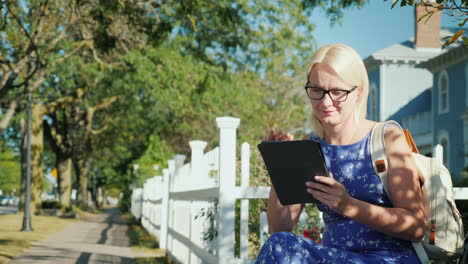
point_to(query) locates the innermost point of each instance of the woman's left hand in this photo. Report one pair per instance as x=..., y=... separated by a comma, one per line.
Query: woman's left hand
x=330, y=192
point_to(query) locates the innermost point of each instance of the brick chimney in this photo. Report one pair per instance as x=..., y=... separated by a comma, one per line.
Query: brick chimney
x=427, y=34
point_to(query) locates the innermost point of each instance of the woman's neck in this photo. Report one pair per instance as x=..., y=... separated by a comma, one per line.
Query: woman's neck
x=343, y=134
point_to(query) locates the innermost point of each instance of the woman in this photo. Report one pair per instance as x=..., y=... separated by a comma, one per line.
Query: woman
x=362, y=224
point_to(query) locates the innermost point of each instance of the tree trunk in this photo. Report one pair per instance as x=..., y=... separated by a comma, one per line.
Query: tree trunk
x=37, y=147
x=64, y=167
x=82, y=167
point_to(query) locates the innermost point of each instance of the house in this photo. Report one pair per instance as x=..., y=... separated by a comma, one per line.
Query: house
x=424, y=88
x=450, y=106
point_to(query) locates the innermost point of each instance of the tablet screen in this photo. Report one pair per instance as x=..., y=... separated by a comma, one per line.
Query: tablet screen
x=290, y=164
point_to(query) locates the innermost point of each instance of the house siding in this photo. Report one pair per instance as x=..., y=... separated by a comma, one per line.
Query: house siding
x=403, y=82
x=451, y=122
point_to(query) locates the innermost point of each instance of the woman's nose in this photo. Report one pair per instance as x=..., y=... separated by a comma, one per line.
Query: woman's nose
x=326, y=100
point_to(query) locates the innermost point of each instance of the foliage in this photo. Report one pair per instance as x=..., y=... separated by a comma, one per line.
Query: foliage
x=141, y=239
x=51, y=205
x=209, y=214
x=174, y=66
x=167, y=98
x=10, y=170
x=457, y=10
x=334, y=8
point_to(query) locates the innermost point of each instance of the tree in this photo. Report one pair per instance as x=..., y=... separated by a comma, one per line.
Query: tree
x=175, y=65
x=32, y=32
x=456, y=9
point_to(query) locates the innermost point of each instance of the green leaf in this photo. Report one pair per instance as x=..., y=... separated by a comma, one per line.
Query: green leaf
x=428, y=15
x=394, y=3
x=461, y=24
x=453, y=38
x=465, y=41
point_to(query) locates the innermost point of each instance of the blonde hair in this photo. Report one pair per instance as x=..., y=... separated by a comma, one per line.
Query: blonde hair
x=349, y=66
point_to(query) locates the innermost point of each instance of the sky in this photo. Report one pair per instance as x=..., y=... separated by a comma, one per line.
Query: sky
x=370, y=28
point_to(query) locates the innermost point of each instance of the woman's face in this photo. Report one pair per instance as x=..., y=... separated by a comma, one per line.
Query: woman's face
x=328, y=111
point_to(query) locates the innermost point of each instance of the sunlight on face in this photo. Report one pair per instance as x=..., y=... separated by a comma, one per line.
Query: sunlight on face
x=331, y=112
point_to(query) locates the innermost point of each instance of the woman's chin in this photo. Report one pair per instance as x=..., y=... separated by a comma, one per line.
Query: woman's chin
x=328, y=120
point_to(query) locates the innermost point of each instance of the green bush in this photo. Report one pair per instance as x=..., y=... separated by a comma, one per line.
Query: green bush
x=51, y=205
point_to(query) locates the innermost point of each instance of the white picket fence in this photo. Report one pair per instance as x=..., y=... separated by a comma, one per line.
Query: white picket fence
x=176, y=207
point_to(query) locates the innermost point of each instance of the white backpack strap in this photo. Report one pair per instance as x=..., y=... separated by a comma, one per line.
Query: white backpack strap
x=380, y=164
x=378, y=153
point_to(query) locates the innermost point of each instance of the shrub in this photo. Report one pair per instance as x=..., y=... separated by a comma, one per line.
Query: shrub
x=51, y=204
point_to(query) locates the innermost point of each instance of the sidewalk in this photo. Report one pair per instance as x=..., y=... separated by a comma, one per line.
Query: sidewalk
x=98, y=239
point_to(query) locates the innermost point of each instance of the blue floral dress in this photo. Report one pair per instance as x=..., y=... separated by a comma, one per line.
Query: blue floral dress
x=344, y=240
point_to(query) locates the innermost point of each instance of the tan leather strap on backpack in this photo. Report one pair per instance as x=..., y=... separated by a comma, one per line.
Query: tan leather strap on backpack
x=410, y=141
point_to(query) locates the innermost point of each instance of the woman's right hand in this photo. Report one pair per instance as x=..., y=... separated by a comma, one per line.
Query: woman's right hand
x=281, y=217
x=278, y=136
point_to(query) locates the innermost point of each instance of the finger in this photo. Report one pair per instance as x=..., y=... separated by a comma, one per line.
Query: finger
x=280, y=132
x=271, y=135
x=325, y=180
x=321, y=187
x=284, y=138
x=321, y=196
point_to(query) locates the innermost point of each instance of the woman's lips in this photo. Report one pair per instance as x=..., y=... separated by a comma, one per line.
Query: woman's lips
x=327, y=112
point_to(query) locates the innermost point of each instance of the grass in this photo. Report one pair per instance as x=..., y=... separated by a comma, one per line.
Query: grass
x=141, y=240
x=13, y=241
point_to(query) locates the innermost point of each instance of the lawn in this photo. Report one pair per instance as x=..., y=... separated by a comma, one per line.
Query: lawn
x=141, y=240
x=13, y=241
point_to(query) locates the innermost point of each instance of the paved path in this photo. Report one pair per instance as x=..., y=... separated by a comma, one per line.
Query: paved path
x=98, y=239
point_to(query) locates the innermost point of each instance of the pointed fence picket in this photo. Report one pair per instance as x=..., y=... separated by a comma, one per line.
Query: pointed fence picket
x=195, y=201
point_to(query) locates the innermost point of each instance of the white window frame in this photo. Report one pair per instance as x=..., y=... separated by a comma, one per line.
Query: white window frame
x=444, y=135
x=443, y=74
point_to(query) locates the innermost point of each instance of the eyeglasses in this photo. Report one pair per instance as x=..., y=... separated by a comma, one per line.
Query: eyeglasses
x=337, y=95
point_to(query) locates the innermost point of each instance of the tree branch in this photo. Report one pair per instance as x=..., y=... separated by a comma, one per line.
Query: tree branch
x=10, y=112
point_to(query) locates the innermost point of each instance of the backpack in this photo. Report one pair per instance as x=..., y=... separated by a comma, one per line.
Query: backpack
x=444, y=232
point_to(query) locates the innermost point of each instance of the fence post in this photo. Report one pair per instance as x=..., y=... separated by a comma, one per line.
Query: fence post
x=197, y=147
x=263, y=228
x=176, y=181
x=244, y=211
x=227, y=179
x=179, y=160
x=164, y=209
x=438, y=153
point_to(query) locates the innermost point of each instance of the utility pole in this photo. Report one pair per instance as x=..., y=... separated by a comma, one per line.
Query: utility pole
x=27, y=204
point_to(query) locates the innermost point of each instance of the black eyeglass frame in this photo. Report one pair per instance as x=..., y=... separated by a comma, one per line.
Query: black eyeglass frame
x=307, y=86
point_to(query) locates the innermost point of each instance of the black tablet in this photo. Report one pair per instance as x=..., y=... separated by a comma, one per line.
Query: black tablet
x=290, y=164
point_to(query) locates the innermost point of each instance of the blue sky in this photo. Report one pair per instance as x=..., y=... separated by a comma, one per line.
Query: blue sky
x=371, y=28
